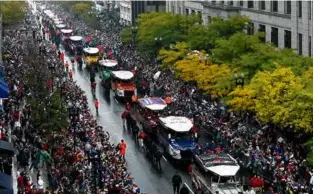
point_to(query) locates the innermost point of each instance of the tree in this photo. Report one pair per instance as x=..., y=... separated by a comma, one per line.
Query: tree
x=213, y=79
x=81, y=8
x=171, y=28
x=126, y=35
x=309, y=146
x=169, y=57
x=277, y=97
x=204, y=37
x=12, y=12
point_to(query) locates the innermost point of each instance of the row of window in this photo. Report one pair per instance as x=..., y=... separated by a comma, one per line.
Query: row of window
x=274, y=6
x=287, y=37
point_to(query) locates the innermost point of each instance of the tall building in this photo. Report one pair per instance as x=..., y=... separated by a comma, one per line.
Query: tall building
x=287, y=24
x=130, y=10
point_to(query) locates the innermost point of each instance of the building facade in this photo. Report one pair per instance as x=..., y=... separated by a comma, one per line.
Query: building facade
x=130, y=10
x=287, y=24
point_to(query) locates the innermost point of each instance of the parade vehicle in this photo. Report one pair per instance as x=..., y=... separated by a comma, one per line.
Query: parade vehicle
x=215, y=173
x=123, y=85
x=90, y=56
x=60, y=26
x=76, y=45
x=147, y=113
x=176, y=137
x=106, y=68
x=66, y=33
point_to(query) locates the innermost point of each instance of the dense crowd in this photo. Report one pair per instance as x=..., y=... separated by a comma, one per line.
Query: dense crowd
x=79, y=159
x=277, y=157
x=277, y=162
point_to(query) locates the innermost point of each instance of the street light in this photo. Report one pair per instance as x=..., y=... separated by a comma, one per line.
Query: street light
x=239, y=80
x=158, y=41
x=134, y=31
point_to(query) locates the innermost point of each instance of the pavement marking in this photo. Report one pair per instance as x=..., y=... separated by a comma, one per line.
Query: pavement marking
x=188, y=187
x=116, y=101
x=164, y=158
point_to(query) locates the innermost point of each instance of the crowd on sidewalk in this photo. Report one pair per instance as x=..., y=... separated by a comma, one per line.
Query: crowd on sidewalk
x=280, y=161
x=79, y=159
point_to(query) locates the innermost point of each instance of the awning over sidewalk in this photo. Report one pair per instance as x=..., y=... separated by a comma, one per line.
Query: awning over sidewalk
x=6, y=184
x=4, y=90
x=6, y=149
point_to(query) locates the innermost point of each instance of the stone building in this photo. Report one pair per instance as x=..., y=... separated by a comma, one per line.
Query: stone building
x=287, y=24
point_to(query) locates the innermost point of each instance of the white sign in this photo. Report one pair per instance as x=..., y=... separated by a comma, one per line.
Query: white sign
x=178, y=124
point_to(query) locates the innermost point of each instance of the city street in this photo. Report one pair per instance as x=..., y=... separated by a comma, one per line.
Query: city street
x=139, y=166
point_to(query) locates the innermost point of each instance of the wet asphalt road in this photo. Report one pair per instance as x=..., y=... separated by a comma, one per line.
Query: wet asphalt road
x=110, y=110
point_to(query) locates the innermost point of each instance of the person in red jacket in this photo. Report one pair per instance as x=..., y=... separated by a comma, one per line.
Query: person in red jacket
x=254, y=182
x=190, y=168
x=20, y=182
x=260, y=181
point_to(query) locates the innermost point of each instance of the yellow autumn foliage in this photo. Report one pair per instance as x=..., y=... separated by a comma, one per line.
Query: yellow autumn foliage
x=213, y=79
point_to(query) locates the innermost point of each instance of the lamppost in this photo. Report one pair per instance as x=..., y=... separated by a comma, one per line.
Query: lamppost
x=206, y=58
x=158, y=41
x=239, y=80
x=134, y=31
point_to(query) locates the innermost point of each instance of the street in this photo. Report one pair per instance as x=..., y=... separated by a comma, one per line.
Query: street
x=139, y=166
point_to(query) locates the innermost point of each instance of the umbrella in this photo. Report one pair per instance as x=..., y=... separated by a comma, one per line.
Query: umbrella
x=156, y=76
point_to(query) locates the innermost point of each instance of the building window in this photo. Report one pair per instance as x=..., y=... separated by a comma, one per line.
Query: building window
x=310, y=46
x=173, y=11
x=287, y=39
x=241, y=3
x=300, y=9
x=193, y=11
x=310, y=9
x=209, y=19
x=274, y=36
x=250, y=4
x=186, y=11
x=300, y=44
x=262, y=5
x=213, y=1
x=262, y=28
x=230, y=2
x=274, y=6
x=288, y=7
x=250, y=30
x=222, y=2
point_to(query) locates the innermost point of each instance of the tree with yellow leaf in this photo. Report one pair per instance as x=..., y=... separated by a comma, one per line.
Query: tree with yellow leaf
x=12, y=12
x=277, y=97
x=213, y=79
x=171, y=56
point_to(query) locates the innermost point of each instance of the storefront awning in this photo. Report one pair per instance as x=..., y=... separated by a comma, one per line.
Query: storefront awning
x=6, y=149
x=6, y=184
x=4, y=90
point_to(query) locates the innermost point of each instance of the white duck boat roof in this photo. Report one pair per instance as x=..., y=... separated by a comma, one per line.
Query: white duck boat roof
x=177, y=123
x=123, y=75
x=76, y=38
x=66, y=31
x=91, y=50
x=153, y=103
x=108, y=63
x=61, y=26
